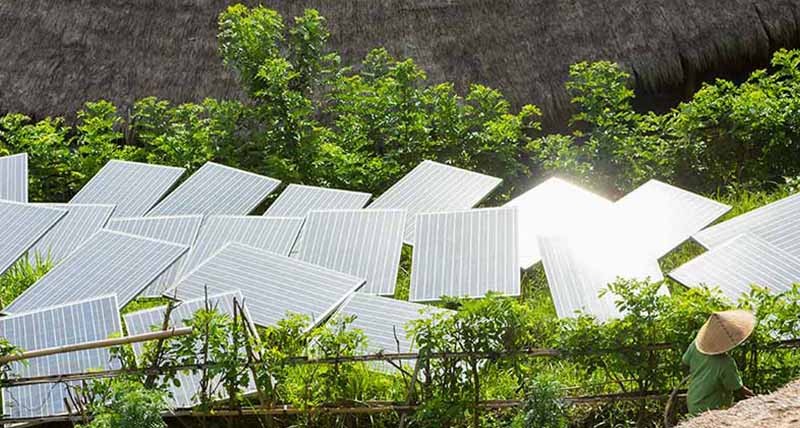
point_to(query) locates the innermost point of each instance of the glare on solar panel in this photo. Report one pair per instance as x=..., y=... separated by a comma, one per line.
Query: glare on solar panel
x=217, y=189
x=435, y=187
x=70, y=324
x=109, y=262
x=133, y=187
x=363, y=243
x=272, y=285
x=14, y=178
x=186, y=394
x=177, y=229
x=298, y=200
x=77, y=226
x=22, y=225
x=275, y=234
x=777, y=223
x=555, y=206
x=739, y=263
x=465, y=254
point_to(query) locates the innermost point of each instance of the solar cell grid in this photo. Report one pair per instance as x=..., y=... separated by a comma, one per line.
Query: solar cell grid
x=298, y=200
x=22, y=225
x=78, y=225
x=14, y=178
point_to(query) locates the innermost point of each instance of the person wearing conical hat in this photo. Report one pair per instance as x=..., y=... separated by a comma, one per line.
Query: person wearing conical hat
x=714, y=377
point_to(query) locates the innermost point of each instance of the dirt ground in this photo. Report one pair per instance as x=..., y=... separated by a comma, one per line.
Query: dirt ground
x=781, y=409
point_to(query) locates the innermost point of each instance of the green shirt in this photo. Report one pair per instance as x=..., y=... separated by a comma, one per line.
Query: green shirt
x=714, y=379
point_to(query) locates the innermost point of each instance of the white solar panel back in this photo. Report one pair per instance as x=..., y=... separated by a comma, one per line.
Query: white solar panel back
x=739, y=263
x=298, y=200
x=70, y=324
x=272, y=285
x=217, y=189
x=657, y=217
x=363, y=243
x=465, y=254
x=578, y=267
x=14, y=178
x=275, y=234
x=108, y=263
x=555, y=206
x=186, y=394
x=133, y=187
x=76, y=227
x=435, y=187
x=177, y=229
x=22, y=225
x=777, y=223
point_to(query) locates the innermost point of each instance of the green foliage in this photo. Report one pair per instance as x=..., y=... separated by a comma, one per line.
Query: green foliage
x=21, y=276
x=125, y=404
x=544, y=406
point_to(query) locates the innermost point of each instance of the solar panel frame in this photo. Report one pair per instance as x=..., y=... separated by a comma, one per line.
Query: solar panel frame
x=465, y=253
x=182, y=229
x=72, y=323
x=80, y=222
x=133, y=187
x=216, y=189
x=738, y=263
x=435, y=187
x=554, y=205
x=14, y=177
x=23, y=224
x=275, y=234
x=140, y=322
x=364, y=243
x=777, y=223
x=109, y=262
x=298, y=200
x=272, y=284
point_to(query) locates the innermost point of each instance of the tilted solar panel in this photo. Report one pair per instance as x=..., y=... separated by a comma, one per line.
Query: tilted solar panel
x=22, y=225
x=777, y=223
x=555, y=206
x=298, y=200
x=133, y=187
x=363, y=243
x=465, y=254
x=70, y=324
x=177, y=229
x=109, y=262
x=14, y=178
x=187, y=393
x=273, y=285
x=739, y=263
x=217, y=189
x=275, y=234
x=76, y=227
x=435, y=187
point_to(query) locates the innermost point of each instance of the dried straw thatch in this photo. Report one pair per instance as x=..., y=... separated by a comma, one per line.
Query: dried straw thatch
x=57, y=54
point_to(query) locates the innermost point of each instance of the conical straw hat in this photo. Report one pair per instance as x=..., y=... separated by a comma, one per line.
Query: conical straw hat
x=724, y=331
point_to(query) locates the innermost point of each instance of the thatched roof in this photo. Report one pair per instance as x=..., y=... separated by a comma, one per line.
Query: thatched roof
x=780, y=409
x=58, y=54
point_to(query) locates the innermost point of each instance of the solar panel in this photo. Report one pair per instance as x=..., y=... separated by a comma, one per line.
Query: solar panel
x=70, y=324
x=435, y=187
x=177, y=229
x=78, y=225
x=272, y=285
x=275, y=234
x=578, y=267
x=555, y=206
x=14, y=178
x=384, y=321
x=363, y=243
x=217, y=189
x=22, y=225
x=739, y=263
x=109, y=262
x=777, y=223
x=657, y=217
x=133, y=187
x=186, y=394
x=465, y=253
x=298, y=200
